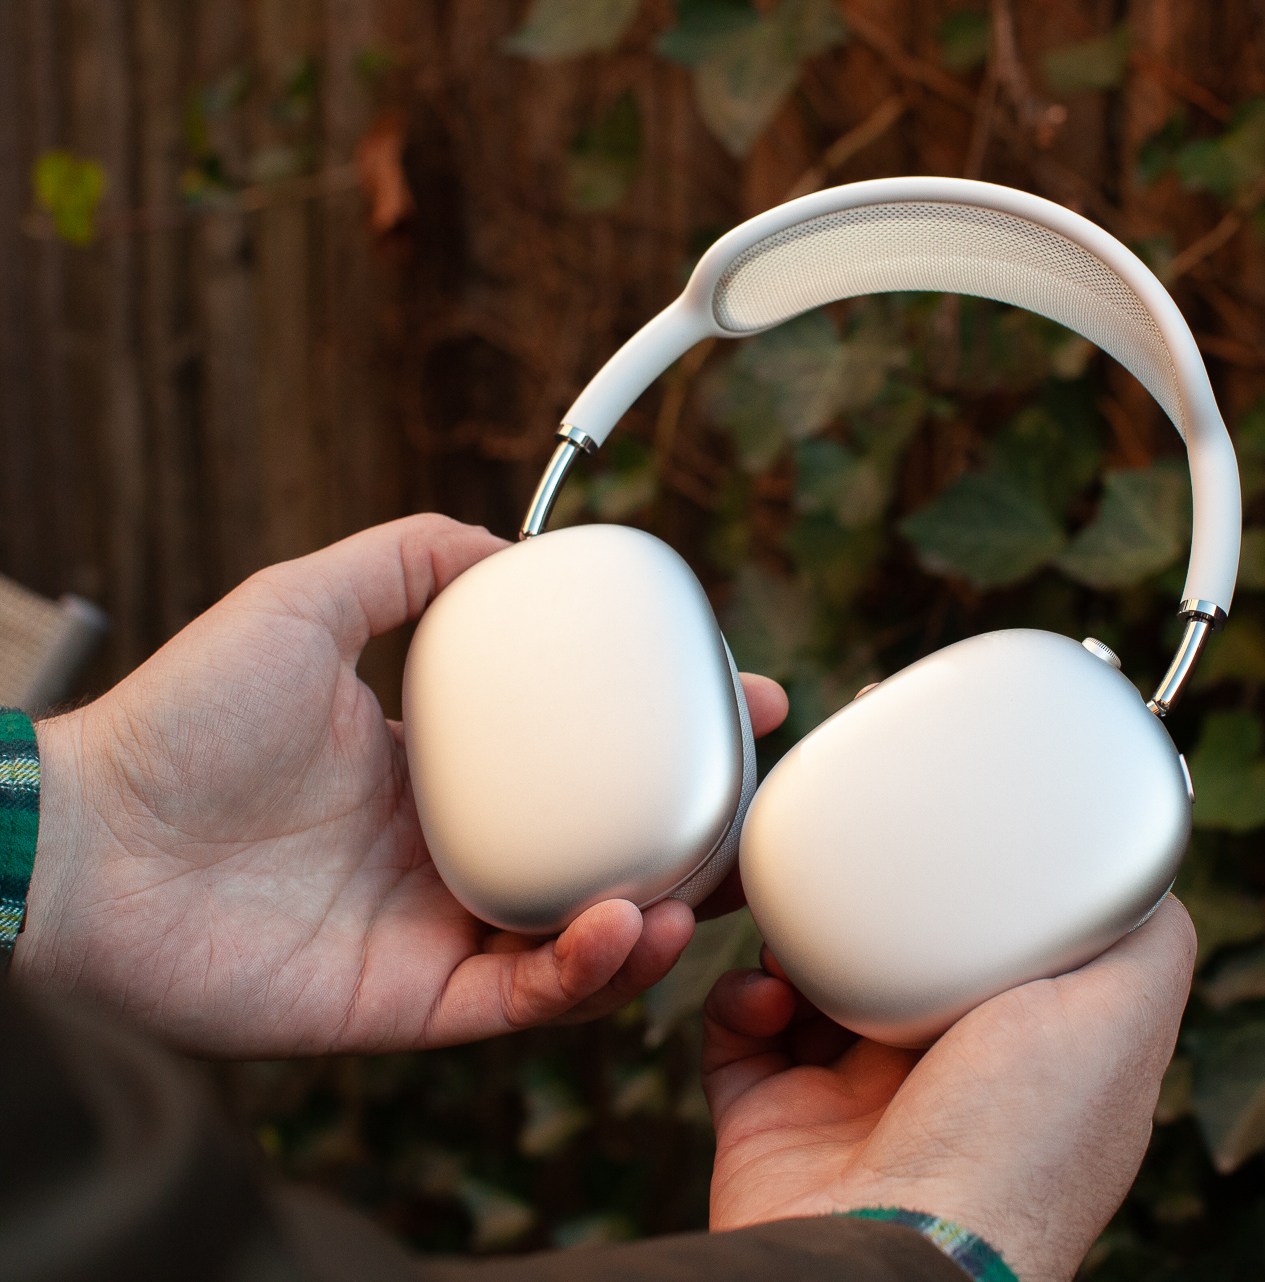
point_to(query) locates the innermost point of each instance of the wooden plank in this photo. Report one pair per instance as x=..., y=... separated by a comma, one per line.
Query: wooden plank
x=292, y=458
x=223, y=291
x=181, y=585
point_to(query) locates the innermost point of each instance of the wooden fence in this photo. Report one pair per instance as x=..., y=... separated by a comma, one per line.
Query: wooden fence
x=273, y=341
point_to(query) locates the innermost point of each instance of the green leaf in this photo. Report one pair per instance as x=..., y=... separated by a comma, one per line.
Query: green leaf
x=298, y=97
x=830, y=478
x=963, y=39
x=552, y=1117
x=70, y=188
x=1142, y=527
x=565, y=29
x=1237, y=655
x=744, y=73
x=1252, y=560
x=604, y=158
x=1222, y=915
x=1228, y=772
x=1227, y=164
x=1051, y=458
x=1228, y=1094
x=701, y=28
x=594, y=1230
x=1099, y=63
x=500, y=1218
x=717, y=946
x=769, y=622
x=782, y=385
x=1175, y=1091
x=986, y=528
x=1239, y=979
x=639, y=1090
x=838, y=562
x=1158, y=152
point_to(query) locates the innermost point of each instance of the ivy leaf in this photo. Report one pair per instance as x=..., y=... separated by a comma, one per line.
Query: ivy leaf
x=831, y=478
x=70, y=188
x=552, y=1116
x=1222, y=915
x=1175, y=1091
x=499, y=1217
x=769, y=623
x=717, y=946
x=963, y=39
x=1228, y=1094
x=1228, y=772
x=1252, y=559
x=1240, y=979
x=1249, y=445
x=1227, y=164
x=1158, y=152
x=987, y=528
x=1051, y=458
x=701, y=28
x=745, y=69
x=563, y=29
x=1142, y=527
x=1238, y=655
x=604, y=158
x=1099, y=63
x=781, y=385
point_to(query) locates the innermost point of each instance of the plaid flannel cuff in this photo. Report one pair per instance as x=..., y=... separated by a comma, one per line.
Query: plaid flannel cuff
x=970, y=1253
x=19, y=822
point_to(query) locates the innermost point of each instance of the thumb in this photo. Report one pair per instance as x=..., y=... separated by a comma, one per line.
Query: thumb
x=383, y=577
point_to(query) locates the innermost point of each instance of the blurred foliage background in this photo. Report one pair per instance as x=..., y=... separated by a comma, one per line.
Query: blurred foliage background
x=279, y=269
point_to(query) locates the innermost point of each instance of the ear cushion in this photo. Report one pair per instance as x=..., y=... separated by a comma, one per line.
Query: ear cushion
x=717, y=865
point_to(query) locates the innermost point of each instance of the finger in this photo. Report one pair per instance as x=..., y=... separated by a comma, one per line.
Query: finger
x=766, y=702
x=504, y=992
x=385, y=576
x=1142, y=982
x=666, y=929
x=743, y=1019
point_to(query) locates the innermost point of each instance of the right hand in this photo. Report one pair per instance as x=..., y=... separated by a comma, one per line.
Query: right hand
x=1025, y=1123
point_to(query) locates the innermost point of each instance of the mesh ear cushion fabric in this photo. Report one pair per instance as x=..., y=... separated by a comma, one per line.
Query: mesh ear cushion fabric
x=717, y=865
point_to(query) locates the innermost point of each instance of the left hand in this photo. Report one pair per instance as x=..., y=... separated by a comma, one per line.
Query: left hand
x=229, y=849
x=1025, y=1123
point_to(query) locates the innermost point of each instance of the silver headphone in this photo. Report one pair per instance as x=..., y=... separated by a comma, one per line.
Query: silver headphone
x=1001, y=810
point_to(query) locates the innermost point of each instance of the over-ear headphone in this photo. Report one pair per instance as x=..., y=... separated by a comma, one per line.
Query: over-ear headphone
x=1001, y=810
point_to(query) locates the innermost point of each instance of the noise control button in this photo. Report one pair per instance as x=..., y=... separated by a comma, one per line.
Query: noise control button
x=1190, y=783
x=1100, y=651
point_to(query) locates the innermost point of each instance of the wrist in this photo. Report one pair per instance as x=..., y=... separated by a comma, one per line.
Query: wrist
x=976, y=1257
x=59, y=851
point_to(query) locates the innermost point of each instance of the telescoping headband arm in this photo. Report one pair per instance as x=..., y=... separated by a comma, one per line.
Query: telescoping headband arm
x=957, y=236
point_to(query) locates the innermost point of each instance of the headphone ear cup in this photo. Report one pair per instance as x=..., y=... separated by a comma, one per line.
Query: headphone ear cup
x=696, y=888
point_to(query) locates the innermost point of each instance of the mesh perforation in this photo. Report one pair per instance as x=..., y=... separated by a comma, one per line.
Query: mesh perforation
x=950, y=248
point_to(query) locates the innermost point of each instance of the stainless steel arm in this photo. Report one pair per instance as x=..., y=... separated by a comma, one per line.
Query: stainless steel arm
x=571, y=442
x=1202, y=619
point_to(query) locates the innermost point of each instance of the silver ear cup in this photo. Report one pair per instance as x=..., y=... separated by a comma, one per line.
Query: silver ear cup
x=575, y=729
x=714, y=870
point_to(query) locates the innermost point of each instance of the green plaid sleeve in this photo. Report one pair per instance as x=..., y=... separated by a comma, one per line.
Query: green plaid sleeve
x=972, y=1254
x=19, y=822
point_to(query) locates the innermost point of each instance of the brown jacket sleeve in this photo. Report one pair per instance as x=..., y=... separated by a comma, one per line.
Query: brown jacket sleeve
x=117, y=1165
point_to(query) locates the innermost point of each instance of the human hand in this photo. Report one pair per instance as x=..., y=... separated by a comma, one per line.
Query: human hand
x=229, y=848
x=1025, y=1123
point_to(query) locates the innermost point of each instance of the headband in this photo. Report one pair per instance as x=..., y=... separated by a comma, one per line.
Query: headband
x=950, y=235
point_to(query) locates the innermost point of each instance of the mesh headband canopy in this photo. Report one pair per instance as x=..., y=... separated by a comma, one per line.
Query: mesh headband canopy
x=949, y=235
x=949, y=248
